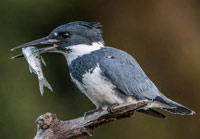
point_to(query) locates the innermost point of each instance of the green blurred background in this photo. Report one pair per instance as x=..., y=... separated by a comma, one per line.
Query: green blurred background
x=163, y=35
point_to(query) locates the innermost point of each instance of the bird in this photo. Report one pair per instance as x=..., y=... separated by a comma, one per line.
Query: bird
x=106, y=75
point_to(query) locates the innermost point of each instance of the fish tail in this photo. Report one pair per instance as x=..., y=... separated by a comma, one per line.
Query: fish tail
x=43, y=82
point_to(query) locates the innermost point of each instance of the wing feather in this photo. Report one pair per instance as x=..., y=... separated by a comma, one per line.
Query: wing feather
x=126, y=74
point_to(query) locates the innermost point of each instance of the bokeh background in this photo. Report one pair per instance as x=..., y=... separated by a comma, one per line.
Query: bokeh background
x=163, y=35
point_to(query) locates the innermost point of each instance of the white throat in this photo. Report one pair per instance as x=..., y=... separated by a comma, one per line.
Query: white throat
x=82, y=49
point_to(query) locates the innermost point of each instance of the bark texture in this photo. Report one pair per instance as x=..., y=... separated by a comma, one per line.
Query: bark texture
x=50, y=127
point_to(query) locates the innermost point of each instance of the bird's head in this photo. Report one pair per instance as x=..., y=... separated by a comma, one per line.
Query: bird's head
x=70, y=34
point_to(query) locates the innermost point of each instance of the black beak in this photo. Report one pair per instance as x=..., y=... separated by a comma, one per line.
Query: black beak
x=45, y=40
x=41, y=50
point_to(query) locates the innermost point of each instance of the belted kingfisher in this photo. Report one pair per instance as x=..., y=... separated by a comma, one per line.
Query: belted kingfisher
x=106, y=75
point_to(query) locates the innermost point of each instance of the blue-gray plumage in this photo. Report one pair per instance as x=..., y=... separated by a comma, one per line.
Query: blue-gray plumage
x=119, y=67
x=106, y=75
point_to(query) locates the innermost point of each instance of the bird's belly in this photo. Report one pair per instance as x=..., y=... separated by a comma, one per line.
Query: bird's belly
x=99, y=90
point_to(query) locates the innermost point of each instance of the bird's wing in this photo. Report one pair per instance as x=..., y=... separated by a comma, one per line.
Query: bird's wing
x=126, y=74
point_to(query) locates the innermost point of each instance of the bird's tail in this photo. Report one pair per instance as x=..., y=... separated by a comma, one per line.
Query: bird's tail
x=43, y=82
x=174, y=107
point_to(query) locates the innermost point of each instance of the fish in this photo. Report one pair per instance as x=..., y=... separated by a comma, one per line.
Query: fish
x=32, y=55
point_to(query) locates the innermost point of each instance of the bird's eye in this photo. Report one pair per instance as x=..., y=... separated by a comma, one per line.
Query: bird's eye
x=61, y=35
x=65, y=34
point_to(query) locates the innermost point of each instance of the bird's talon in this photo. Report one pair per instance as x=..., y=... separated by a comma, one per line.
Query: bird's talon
x=85, y=115
x=111, y=108
x=90, y=112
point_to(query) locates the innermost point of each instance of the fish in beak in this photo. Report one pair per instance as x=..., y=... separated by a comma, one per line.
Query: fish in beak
x=53, y=44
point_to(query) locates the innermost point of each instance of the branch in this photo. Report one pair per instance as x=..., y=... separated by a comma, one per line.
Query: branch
x=50, y=127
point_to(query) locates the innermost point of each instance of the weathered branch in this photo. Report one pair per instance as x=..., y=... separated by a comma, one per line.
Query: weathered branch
x=50, y=127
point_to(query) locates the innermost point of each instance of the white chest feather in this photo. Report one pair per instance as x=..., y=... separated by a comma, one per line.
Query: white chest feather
x=99, y=90
x=82, y=49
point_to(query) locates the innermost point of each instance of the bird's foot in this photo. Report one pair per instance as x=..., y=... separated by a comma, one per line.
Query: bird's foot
x=91, y=112
x=111, y=108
